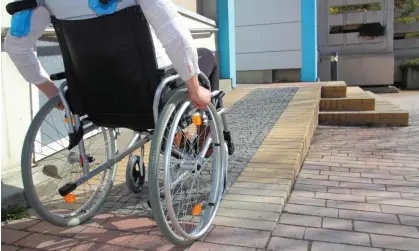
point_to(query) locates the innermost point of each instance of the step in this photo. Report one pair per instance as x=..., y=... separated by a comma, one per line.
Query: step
x=356, y=100
x=385, y=114
x=334, y=89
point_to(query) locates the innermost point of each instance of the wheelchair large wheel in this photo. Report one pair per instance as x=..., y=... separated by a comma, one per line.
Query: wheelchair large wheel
x=47, y=165
x=185, y=188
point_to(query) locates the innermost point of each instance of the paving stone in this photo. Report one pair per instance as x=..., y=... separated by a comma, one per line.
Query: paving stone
x=389, y=229
x=201, y=246
x=318, y=182
x=150, y=242
x=239, y=237
x=339, y=190
x=311, y=210
x=363, y=186
x=10, y=236
x=248, y=214
x=244, y=223
x=258, y=192
x=374, y=193
x=251, y=206
x=343, y=174
x=254, y=199
x=337, y=224
x=401, y=243
x=400, y=210
x=300, y=220
x=368, y=216
x=306, y=201
x=47, y=242
x=395, y=202
x=409, y=220
x=295, y=232
x=322, y=246
x=8, y=248
x=353, y=205
x=248, y=185
x=406, y=189
x=284, y=244
x=410, y=196
x=21, y=224
x=90, y=246
x=107, y=236
x=395, y=182
x=130, y=223
x=336, y=236
x=344, y=197
x=304, y=194
x=47, y=228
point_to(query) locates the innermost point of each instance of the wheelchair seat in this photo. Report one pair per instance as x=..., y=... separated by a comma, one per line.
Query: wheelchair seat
x=111, y=68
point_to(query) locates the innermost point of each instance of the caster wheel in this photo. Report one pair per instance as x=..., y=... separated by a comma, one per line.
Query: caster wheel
x=135, y=174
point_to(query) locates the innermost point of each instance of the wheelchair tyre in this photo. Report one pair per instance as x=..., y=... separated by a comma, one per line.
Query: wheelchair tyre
x=85, y=207
x=135, y=173
x=169, y=224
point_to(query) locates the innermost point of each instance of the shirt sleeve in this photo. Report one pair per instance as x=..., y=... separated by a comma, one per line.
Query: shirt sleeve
x=173, y=34
x=21, y=49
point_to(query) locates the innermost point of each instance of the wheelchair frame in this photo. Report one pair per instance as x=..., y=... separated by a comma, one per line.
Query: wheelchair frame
x=137, y=141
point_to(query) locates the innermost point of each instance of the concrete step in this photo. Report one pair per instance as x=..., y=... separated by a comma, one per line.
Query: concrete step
x=356, y=100
x=385, y=113
x=335, y=89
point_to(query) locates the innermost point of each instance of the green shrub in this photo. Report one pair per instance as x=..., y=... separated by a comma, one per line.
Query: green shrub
x=410, y=64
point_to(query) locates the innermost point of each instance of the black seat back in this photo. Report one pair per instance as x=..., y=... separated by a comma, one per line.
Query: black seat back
x=110, y=67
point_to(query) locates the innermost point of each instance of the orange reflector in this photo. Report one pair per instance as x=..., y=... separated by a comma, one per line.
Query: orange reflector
x=197, y=119
x=196, y=210
x=70, y=198
x=66, y=120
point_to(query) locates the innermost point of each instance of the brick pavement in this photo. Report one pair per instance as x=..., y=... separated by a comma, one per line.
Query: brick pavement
x=358, y=191
x=124, y=222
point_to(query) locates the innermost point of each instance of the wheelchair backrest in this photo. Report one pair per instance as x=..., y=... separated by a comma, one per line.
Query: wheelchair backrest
x=110, y=67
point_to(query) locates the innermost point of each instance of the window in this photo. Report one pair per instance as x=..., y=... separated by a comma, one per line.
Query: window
x=334, y=10
x=349, y=28
x=407, y=35
x=406, y=20
x=364, y=30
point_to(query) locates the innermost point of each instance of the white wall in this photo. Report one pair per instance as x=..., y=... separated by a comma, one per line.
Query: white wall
x=15, y=108
x=268, y=34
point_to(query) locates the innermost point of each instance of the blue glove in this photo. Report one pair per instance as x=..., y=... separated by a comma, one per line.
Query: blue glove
x=103, y=9
x=21, y=23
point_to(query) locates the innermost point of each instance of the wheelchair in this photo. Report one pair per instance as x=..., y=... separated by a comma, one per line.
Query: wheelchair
x=68, y=180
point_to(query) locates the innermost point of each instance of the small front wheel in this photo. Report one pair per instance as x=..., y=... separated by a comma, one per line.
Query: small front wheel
x=135, y=173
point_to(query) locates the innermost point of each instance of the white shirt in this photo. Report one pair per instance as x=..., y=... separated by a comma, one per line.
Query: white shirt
x=173, y=42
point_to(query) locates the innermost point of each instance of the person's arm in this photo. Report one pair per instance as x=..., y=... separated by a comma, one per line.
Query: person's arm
x=178, y=43
x=21, y=51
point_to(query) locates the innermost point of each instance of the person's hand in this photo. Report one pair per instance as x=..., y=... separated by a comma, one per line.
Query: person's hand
x=199, y=96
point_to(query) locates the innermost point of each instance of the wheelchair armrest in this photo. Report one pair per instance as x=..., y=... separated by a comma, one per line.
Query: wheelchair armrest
x=167, y=71
x=14, y=7
x=57, y=76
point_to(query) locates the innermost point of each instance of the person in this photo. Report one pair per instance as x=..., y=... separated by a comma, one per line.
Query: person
x=172, y=39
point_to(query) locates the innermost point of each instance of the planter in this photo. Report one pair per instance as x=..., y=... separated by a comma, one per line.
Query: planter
x=412, y=79
x=410, y=74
